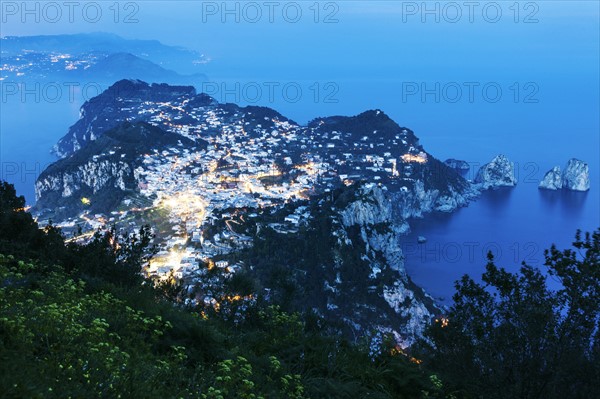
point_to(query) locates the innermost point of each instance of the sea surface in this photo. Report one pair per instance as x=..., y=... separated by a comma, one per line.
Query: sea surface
x=28, y=130
x=515, y=224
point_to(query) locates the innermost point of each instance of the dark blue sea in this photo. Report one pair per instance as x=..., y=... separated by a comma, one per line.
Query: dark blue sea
x=515, y=224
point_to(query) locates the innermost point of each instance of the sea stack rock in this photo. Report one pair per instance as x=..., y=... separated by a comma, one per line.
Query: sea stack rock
x=458, y=165
x=553, y=179
x=576, y=176
x=500, y=172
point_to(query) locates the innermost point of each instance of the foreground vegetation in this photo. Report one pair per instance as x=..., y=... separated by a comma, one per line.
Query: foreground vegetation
x=79, y=321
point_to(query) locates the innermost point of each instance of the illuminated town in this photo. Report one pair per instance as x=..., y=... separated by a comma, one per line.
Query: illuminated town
x=245, y=161
x=32, y=64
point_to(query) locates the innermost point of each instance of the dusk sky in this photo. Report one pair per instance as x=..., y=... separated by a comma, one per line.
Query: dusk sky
x=543, y=56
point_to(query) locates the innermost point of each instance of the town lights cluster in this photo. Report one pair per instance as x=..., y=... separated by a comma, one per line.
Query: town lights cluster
x=418, y=158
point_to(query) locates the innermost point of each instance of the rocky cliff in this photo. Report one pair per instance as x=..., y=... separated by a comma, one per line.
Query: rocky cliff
x=105, y=180
x=101, y=174
x=371, y=211
x=347, y=266
x=553, y=179
x=500, y=172
x=418, y=200
x=575, y=177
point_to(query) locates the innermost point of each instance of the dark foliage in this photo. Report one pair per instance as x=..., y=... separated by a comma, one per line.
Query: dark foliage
x=513, y=337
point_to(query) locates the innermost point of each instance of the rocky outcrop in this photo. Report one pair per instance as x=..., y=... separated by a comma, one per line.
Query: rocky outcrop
x=458, y=165
x=418, y=200
x=371, y=207
x=91, y=177
x=404, y=302
x=103, y=180
x=353, y=274
x=500, y=172
x=104, y=169
x=553, y=179
x=402, y=205
x=371, y=211
x=576, y=176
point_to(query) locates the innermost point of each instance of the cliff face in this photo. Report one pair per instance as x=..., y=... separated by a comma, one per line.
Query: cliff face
x=103, y=172
x=373, y=207
x=91, y=176
x=370, y=207
x=407, y=310
x=106, y=180
x=418, y=201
